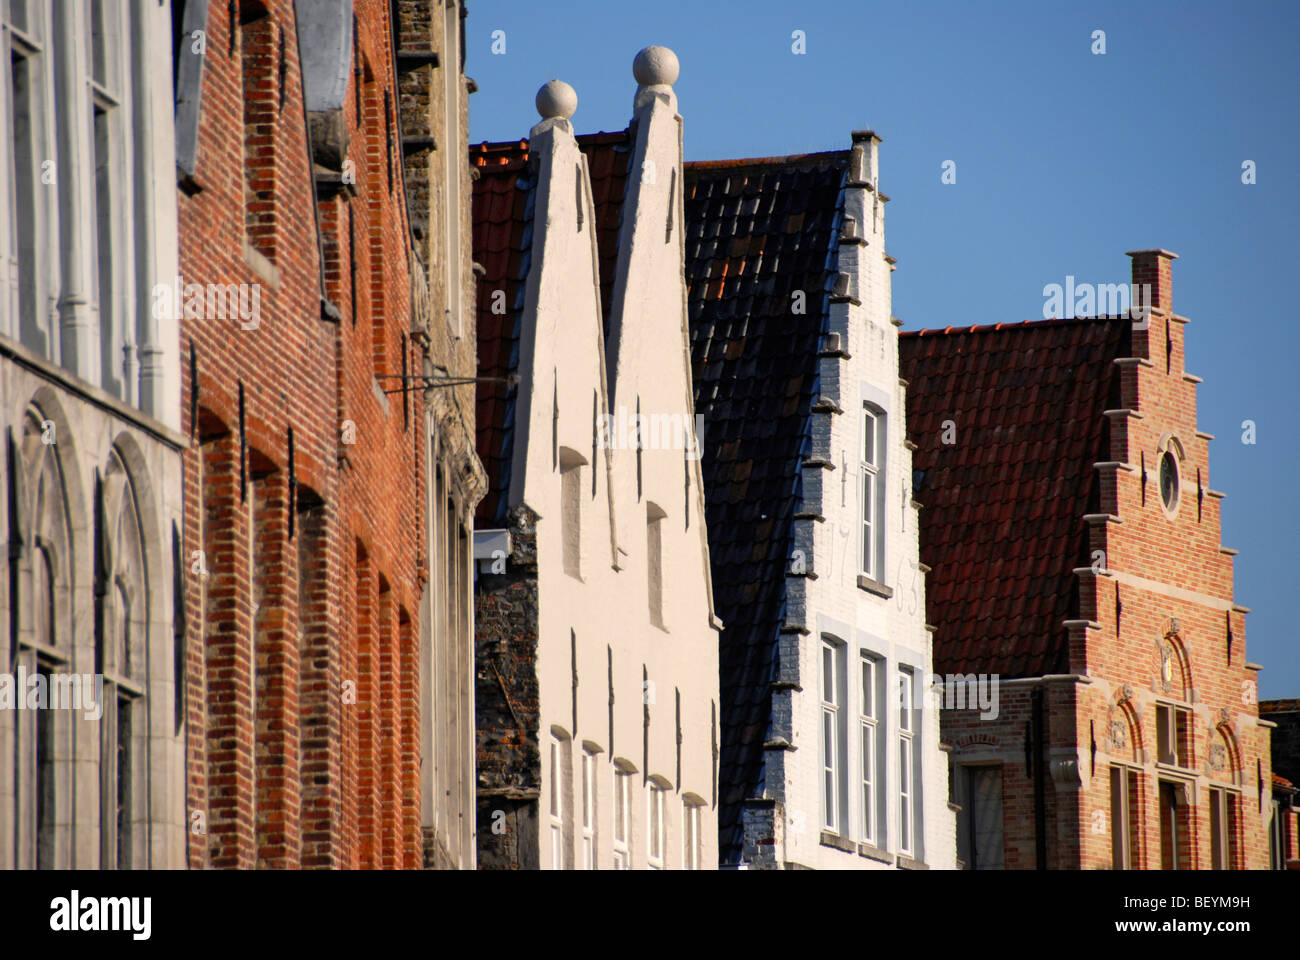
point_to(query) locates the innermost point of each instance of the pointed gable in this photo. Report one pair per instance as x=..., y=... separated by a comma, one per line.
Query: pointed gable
x=503, y=210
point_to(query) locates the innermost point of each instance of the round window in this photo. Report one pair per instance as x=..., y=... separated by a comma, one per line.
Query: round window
x=1168, y=480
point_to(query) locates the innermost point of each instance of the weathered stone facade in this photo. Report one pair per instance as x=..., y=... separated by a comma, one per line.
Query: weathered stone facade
x=91, y=470
x=434, y=94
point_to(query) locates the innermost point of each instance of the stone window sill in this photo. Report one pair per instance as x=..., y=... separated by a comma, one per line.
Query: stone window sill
x=834, y=840
x=875, y=853
x=907, y=863
x=874, y=586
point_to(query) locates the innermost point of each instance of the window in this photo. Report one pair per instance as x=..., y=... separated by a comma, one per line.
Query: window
x=25, y=115
x=655, y=825
x=834, y=781
x=120, y=635
x=873, y=443
x=1125, y=822
x=1173, y=827
x=692, y=838
x=1223, y=830
x=1168, y=480
x=40, y=573
x=1173, y=735
x=978, y=790
x=557, y=809
x=622, y=816
x=655, y=562
x=872, y=776
x=588, y=810
x=1277, y=847
x=906, y=761
x=571, y=512
x=560, y=796
x=107, y=161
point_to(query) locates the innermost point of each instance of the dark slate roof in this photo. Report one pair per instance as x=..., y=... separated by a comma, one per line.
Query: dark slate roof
x=1002, y=518
x=503, y=213
x=756, y=230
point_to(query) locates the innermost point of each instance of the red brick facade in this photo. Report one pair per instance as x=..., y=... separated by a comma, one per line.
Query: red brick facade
x=304, y=511
x=1152, y=636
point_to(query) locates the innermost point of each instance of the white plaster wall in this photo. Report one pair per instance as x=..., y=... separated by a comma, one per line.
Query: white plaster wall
x=893, y=628
x=608, y=608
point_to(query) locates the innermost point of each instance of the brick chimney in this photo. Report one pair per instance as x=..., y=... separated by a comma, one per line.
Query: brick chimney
x=1152, y=268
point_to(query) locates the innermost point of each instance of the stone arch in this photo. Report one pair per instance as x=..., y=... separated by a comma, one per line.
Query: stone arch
x=1123, y=730
x=1223, y=754
x=1174, y=666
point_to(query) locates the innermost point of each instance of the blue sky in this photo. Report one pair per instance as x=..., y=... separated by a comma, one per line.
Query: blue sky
x=1064, y=160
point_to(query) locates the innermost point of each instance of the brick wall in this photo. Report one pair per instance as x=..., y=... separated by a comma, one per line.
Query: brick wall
x=1157, y=625
x=301, y=465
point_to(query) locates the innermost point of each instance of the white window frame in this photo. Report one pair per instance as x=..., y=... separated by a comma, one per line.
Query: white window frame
x=833, y=734
x=656, y=825
x=868, y=722
x=589, y=808
x=872, y=466
x=692, y=835
x=906, y=762
x=622, y=818
x=831, y=672
x=556, y=807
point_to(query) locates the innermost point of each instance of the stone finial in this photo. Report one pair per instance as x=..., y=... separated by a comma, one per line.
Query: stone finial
x=556, y=99
x=656, y=66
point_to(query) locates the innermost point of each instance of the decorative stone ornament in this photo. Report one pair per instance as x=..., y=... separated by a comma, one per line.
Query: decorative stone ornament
x=656, y=66
x=557, y=99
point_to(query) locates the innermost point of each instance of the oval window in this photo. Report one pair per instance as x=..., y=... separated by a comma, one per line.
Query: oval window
x=1168, y=480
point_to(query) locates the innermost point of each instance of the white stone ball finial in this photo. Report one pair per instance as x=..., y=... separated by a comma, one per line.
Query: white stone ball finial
x=556, y=99
x=656, y=66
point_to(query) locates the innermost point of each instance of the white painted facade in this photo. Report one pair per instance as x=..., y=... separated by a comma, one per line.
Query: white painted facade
x=876, y=613
x=615, y=623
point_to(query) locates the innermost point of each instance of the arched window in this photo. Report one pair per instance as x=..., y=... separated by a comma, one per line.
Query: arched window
x=120, y=641
x=40, y=594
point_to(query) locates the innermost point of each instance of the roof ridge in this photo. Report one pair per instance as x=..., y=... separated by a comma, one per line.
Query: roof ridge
x=1003, y=326
x=765, y=161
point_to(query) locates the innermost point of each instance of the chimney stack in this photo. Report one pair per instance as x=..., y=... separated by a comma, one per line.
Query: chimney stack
x=1152, y=269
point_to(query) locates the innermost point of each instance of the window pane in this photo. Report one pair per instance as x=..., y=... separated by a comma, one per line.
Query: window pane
x=868, y=516
x=868, y=437
x=555, y=781
x=868, y=688
x=868, y=777
x=828, y=674
x=1216, y=830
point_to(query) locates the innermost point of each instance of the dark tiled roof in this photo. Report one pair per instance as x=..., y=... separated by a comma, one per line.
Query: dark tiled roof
x=503, y=211
x=1002, y=519
x=503, y=201
x=756, y=230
